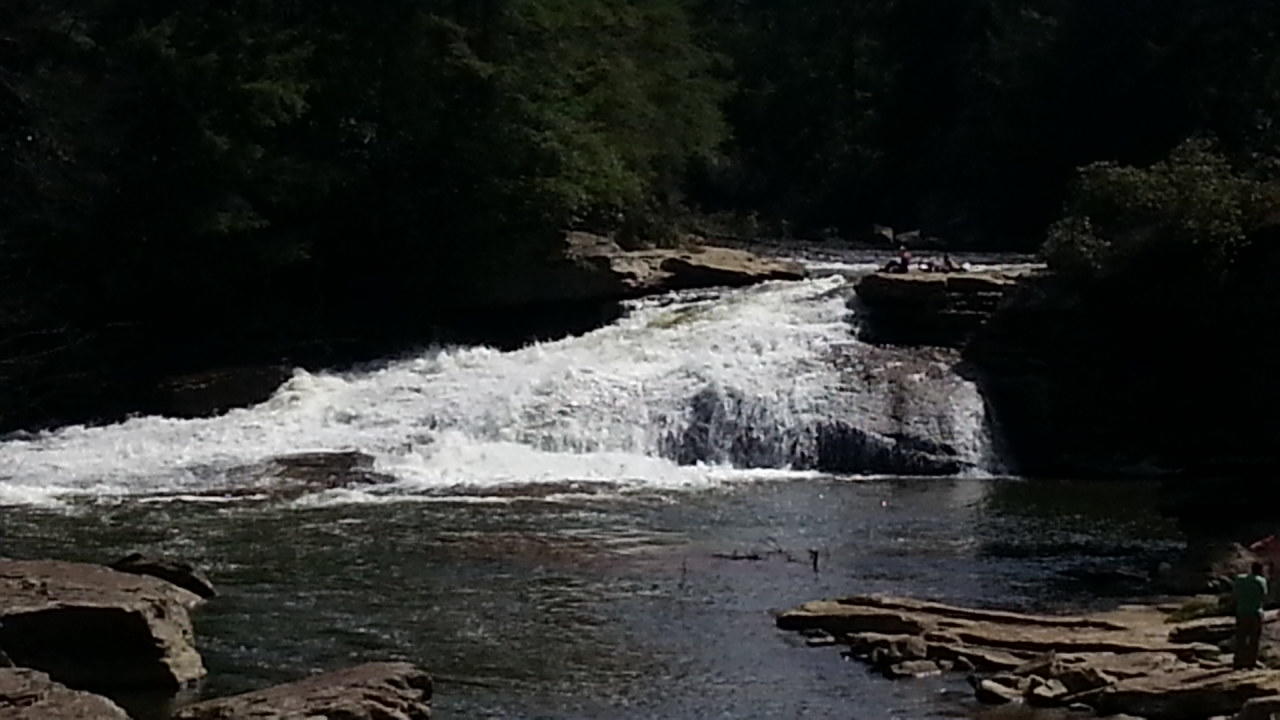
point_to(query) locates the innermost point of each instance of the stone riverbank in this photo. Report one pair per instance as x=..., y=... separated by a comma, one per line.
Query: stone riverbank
x=1133, y=660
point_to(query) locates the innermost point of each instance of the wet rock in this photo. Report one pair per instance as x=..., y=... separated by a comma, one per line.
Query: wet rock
x=845, y=448
x=820, y=640
x=912, y=669
x=1189, y=694
x=1012, y=633
x=1083, y=679
x=1263, y=708
x=30, y=695
x=1046, y=666
x=842, y=618
x=990, y=692
x=376, y=691
x=897, y=649
x=320, y=470
x=91, y=626
x=173, y=571
x=1118, y=661
x=948, y=648
x=1046, y=693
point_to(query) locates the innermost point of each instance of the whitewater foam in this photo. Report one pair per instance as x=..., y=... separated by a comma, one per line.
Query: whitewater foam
x=681, y=388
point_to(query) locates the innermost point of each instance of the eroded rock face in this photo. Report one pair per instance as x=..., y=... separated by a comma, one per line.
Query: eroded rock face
x=376, y=691
x=90, y=626
x=31, y=695
x=923, y=308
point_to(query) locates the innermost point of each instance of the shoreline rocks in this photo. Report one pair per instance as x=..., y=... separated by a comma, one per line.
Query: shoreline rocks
x=94, y=627
x=30, y=695
x=1129, y=661
x=127, y=632
x=375, y=691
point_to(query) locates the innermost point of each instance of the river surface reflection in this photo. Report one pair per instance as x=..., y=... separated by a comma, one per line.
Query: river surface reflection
x=600, y=604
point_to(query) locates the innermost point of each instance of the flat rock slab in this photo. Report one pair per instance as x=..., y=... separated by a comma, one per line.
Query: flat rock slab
x=376, y=691
x=1130, y=660
x=644, y=272
x=91, y=626
x=1187, y=694
x=1128, y=631
x=31, y=695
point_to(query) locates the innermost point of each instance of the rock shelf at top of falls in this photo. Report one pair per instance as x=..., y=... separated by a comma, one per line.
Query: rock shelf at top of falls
x=1132, y=660
x=935, y=308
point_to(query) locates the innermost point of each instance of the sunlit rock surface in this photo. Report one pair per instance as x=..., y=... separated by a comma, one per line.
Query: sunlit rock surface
x=30, y=695
x=90, y=626
x=376, y=691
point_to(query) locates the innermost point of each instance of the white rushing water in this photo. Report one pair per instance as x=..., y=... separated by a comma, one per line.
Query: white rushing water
x=716, y=380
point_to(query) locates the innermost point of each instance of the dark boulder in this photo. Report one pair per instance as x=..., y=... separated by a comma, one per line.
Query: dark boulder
x=30, y=695
x=173, y=571
x=93, y=627
x=931, y=308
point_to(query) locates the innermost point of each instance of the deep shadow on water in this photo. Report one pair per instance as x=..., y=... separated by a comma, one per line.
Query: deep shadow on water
x=632, y=606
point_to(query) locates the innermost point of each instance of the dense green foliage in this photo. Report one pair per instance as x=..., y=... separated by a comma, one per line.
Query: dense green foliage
x=193, y=179
x=1193, y=204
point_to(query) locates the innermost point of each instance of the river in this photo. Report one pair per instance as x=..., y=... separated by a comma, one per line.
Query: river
x=596, y=526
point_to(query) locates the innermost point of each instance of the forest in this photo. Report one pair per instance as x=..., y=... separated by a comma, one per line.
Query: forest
x=229, y=175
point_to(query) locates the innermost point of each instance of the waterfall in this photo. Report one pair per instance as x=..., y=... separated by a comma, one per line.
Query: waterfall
x=685, y=389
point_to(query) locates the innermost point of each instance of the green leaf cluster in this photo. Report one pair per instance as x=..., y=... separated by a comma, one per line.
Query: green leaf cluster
x=1193, y=204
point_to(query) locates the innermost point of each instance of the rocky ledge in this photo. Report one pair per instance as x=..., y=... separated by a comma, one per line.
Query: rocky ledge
x=1131, y=661
x=376, y=691
x=591, y=268
x=31, y=695
x=128, y=630
x=93, y=627
x=933, y=308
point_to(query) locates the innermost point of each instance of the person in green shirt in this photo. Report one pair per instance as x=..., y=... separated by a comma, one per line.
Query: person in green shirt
x=1250, y=592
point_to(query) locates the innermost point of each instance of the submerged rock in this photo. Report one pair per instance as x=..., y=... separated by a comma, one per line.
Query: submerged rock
x=375, y=691
x=91, y=626
x=30, y=695
x=179, y=573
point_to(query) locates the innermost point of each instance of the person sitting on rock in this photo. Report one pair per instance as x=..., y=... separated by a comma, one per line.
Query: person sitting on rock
x=1250, y=591
x=902, y=264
